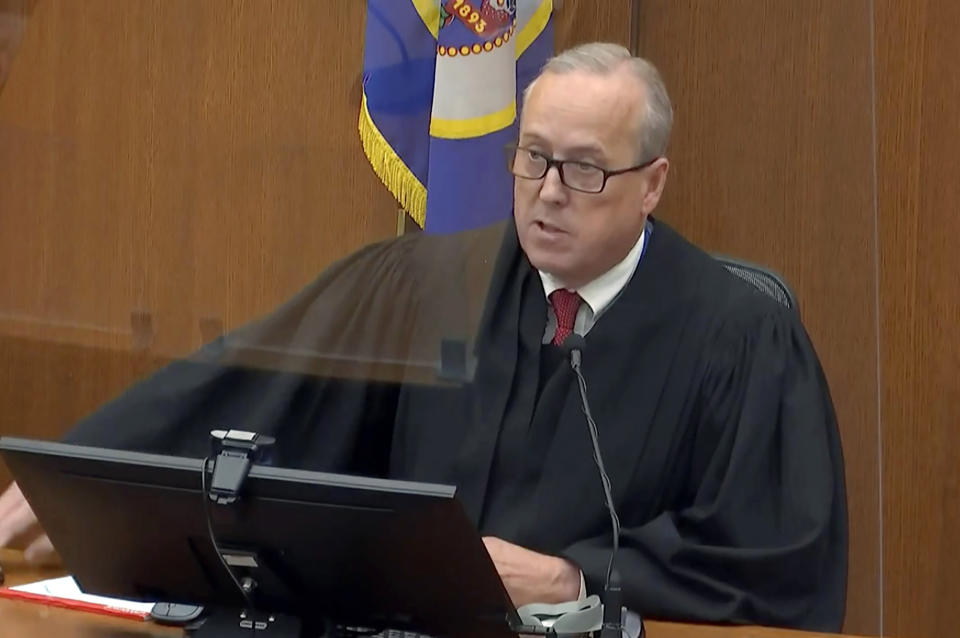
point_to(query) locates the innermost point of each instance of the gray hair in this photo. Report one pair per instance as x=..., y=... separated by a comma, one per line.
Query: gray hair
x=603, y=58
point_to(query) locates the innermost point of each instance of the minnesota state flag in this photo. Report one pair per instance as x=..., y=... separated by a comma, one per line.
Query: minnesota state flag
x=441, y=87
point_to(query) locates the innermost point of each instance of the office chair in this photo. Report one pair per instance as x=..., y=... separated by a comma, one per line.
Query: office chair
x=763, y=279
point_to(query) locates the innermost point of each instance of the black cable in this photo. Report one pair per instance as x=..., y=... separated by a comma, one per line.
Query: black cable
x=604, y=479
x=213, y=538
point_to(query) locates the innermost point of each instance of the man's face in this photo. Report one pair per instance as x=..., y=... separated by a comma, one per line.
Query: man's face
x=590, y=118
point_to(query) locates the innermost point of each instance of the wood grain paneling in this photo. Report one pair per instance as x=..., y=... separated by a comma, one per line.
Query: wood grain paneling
x=773, y=162
x=918, y=168
x=191, y=160
x=168, y=169
x=579, y=21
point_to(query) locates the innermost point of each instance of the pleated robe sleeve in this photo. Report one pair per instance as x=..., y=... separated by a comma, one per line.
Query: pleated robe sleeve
x=761, y=534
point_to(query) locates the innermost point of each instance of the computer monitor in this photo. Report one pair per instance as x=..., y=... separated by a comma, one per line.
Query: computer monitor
x=320, y=547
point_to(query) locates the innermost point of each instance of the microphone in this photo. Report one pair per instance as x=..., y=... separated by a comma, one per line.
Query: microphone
x=572, y=347
x=612, y=627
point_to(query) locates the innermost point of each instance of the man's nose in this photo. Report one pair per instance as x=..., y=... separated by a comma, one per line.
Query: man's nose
x=552, y=190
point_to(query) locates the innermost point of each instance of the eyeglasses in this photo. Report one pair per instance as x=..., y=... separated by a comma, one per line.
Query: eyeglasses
x=527, y=163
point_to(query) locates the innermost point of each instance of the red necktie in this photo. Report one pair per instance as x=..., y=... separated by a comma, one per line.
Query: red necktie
x=565, y=306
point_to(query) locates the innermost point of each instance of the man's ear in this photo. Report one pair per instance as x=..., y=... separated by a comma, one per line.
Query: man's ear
x=657, y=179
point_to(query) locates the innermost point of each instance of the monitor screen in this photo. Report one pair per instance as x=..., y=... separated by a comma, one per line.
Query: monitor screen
x=353, y=550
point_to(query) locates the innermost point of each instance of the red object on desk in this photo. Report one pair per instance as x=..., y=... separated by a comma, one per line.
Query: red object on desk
x=79, y=605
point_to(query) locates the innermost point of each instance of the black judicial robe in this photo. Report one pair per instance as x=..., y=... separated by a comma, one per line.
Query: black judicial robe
x=714, y=418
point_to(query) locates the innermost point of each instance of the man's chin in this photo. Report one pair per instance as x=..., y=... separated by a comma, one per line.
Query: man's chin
x=552, y=267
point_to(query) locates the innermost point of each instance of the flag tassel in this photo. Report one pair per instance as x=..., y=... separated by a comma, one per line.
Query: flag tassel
x=392, y=171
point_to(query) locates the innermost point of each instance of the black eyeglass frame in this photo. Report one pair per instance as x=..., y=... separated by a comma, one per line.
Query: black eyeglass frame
x=510, y=150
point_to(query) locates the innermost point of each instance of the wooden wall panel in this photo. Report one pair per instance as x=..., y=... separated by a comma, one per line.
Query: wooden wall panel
x=170, y=169
x=579, y=21
x=180, y=158
x=918, y=169
x=773, y=162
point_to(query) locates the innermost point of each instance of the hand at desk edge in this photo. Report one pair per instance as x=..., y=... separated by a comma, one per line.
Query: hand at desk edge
x=19, y=529
x=531, y=577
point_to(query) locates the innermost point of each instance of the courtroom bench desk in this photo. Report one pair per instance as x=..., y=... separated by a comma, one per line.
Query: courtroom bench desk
x=20, y=619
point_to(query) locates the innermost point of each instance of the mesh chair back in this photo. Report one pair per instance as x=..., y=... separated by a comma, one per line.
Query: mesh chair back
x=763, y=279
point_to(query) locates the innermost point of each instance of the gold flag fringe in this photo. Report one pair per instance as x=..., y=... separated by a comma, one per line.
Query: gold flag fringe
x=395, y=175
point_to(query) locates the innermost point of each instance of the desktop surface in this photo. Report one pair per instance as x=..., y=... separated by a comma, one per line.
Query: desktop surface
x=20, y=619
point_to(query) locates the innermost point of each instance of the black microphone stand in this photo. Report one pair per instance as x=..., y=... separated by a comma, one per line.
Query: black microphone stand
x=612, y=594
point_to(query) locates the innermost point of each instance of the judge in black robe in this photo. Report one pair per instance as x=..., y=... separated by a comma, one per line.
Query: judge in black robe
x=714, y=418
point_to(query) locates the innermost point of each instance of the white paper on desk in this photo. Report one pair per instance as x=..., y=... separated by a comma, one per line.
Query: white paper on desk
x=67, y=588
